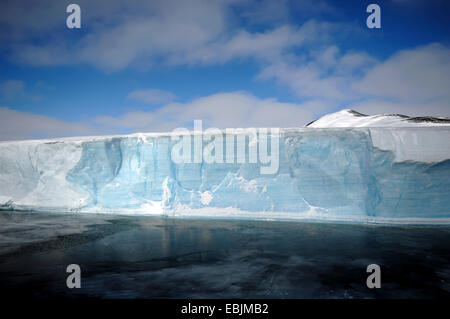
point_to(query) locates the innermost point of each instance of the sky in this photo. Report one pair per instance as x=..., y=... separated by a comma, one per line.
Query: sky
x=150, y=66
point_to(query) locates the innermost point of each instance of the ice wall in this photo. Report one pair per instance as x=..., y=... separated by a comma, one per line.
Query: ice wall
x=360, y=174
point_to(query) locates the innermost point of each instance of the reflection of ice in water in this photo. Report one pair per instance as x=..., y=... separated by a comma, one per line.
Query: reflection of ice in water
x=149, y=257
x=20, y=228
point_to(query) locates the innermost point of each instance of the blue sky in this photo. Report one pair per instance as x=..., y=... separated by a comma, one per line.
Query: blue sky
x=157, y=65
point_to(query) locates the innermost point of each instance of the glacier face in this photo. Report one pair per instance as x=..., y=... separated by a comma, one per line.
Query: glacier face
x=349, y=174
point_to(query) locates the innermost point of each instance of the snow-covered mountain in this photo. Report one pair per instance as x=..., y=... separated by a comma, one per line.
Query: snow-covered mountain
x=352, y=118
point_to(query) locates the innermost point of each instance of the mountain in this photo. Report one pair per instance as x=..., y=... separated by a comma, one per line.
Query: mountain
x=352, y=118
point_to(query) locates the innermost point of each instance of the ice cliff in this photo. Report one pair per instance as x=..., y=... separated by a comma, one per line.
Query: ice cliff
x=385, y=174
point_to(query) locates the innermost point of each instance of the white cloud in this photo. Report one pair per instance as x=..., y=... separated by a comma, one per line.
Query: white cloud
x=413, y=75
x=324, y=74
x=412, y=82
x=152, y=96
x=116, y=35
x=233, y=109
x=15, y=125
x=266, y=47
x=221, y=110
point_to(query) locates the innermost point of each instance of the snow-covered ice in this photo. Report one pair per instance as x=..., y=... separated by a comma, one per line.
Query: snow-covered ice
x=352, y=118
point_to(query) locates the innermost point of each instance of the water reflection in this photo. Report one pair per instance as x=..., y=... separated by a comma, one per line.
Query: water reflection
x=153, y=257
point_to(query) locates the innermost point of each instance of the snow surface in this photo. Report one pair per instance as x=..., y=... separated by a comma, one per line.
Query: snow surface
x=367, y=174
x=417, y=141
x=351, y=118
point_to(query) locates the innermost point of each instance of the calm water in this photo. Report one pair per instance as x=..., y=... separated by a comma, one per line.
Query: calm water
x=154, y=257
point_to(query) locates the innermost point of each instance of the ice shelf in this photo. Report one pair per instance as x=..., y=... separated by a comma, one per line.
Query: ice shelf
x=396, y=174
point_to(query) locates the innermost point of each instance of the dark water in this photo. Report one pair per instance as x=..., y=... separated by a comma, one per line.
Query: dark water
x=154, y=257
